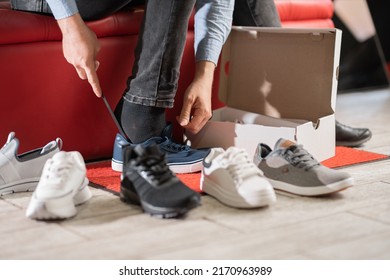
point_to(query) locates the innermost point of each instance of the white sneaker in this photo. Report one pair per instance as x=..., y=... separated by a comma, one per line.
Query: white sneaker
x=233, y=179
x=62, y=186
x=21, y=173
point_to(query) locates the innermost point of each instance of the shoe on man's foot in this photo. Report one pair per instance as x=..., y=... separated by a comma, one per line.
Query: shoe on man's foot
x=21, y=173
x=290, y=168
x=351, y=137
x=147, y=181
x=62, y=186
x=233, y=179
x=180, y=158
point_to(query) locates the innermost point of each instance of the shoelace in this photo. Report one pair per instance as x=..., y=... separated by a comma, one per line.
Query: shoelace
x=238, y=164
x=300, y=158
x=155, y=167
x=58, y=171
x=175, y=146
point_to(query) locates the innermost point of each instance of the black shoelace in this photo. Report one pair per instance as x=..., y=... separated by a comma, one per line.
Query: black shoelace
x=155, y=167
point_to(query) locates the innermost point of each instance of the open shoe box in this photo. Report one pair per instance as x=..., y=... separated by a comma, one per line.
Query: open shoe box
x=276, y=82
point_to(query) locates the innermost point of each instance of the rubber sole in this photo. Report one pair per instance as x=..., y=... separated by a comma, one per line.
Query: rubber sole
x=130, y=197
x=312, y=190
x=257, y=199
x=25, y=185
x=175, y=168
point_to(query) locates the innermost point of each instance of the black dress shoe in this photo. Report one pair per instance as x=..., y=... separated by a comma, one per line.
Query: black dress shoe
x=351, y=137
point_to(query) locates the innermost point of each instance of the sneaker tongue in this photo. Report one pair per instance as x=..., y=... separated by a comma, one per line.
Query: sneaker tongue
x=284, y=144
x=140, y=150
x=59, y=156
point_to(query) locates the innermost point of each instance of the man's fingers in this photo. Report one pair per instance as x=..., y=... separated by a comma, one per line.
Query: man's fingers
x=185, y=114
x=196, y=124
x=93, y=80
x=80, y=71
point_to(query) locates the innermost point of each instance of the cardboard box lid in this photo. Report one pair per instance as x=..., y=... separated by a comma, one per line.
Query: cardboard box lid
x=281, y=72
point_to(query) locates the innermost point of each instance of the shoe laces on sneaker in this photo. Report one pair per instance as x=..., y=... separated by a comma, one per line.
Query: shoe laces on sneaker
x=168, y=143
x=237, y=163
x=57, y=171
x=155, y=167
x=300, y=158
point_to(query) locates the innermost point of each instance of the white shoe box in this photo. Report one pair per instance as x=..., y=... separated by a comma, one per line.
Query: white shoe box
x=276, y=83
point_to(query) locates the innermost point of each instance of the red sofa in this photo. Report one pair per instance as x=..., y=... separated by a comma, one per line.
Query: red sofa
x=42, y=97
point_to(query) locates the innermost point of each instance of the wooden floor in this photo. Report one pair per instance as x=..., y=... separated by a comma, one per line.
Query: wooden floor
x=354, y=224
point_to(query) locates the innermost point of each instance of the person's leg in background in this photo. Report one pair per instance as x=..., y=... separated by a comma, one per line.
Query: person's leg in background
x=263, y=13
x=93, y=10
x=260, y=13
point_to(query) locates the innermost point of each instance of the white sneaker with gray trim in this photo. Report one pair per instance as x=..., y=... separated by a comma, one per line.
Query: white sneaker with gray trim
x=21, y=173
x=233, y=179
x=290, y=168
x=62, y=186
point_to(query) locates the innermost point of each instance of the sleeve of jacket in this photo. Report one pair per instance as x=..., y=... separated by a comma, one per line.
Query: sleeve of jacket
x=62, y=8
x=213, y=22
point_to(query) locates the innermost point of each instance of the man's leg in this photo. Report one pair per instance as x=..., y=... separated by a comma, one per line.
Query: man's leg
x=152, y=87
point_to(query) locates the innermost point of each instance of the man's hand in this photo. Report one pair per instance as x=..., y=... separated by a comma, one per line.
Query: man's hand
x=196, y=110
x=80, y=47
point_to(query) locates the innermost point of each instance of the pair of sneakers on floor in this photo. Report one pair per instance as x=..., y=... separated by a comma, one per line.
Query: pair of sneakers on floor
x=234, y=179
x=57, y=178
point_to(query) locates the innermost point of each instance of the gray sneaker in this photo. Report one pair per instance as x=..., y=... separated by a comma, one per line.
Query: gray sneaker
x=21, y=173
x=290, y=168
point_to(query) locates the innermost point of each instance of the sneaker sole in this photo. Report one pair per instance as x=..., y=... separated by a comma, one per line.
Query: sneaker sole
x=252, y=200
x=312, y=190
x=175, y=168
x=25, y=185
x=60, y=207
x=130, y=197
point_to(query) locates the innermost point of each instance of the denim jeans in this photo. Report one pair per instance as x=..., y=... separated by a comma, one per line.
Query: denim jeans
x=260, y=13
x=159, y=52
x=159, y=49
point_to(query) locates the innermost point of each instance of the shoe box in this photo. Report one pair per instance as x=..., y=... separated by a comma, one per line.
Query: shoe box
x=276, y=83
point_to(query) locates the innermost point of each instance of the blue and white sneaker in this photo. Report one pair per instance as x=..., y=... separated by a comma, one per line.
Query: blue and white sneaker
x=180, y=158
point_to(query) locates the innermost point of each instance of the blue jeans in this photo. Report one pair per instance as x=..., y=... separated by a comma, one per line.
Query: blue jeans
x=159, y=52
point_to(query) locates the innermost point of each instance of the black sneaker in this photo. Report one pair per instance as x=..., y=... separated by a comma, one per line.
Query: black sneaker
x=147, y=181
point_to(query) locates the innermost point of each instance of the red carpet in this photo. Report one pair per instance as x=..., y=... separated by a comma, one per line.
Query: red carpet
x=101, y=175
